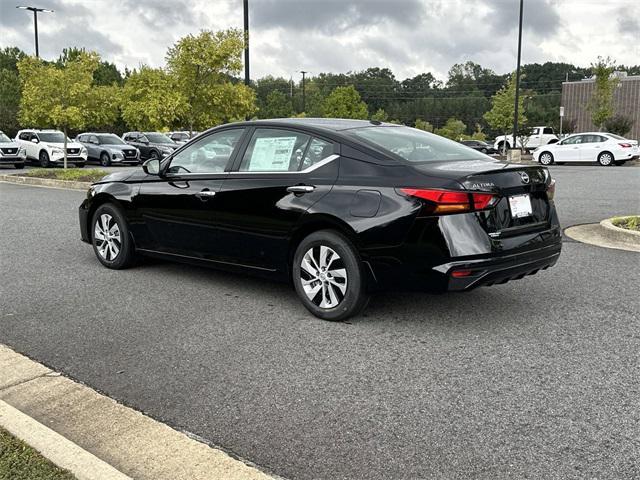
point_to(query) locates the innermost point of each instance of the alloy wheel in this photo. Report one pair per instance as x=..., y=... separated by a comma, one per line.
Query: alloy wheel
x=546, y=159
x=323, y=276
x=107, y=237
x=605, y=159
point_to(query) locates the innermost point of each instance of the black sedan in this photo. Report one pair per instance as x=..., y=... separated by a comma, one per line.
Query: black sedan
x=341, y=208
x=480, y=146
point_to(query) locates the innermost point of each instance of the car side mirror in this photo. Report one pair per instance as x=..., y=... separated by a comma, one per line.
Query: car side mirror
x=151, y=166
x=35, y=140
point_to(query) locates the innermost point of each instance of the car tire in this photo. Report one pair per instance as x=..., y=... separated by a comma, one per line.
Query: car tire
x=606, y=159
x=484, y=150
x=105, y=161
x=503, y=147
x=328, y=276
x=44, y=159
x=115, y=250
x=546, y=158
x=19, y=166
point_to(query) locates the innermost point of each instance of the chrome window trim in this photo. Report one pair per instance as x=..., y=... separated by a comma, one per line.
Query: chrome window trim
x=313, y=167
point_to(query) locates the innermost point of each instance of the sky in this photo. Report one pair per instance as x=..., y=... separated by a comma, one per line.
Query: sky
x=286, y=36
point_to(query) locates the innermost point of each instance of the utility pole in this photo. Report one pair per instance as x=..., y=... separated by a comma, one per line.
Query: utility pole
x=246, y=42
x=304, y=99
x=35, y=11
x=515, y=116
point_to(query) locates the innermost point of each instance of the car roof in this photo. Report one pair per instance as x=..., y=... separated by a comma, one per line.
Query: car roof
x=335, y=124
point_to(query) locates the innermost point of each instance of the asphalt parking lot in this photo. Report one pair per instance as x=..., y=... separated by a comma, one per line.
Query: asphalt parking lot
x=538, y=378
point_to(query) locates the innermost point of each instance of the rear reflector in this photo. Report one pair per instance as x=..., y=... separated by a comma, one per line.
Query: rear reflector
x=461, y=273
x=447, y=201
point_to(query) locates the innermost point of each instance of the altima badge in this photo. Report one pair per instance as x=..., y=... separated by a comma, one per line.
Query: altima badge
x=524, y=177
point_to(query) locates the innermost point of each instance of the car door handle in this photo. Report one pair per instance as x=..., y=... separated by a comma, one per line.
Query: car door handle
x=301, y=189
x=205, y=195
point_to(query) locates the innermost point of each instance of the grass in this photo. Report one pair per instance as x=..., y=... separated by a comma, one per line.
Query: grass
x=630, y=223
x=18, y=461
x=75, y=174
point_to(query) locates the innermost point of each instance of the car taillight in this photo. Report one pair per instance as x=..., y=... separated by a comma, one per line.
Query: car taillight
x=551, y=189
x=447, y=201
x=625, y=145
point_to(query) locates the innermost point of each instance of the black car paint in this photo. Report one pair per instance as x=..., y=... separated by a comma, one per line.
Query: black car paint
x=254, y=224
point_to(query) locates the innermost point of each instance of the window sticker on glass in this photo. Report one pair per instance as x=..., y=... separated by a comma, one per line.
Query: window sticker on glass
x=272, y=154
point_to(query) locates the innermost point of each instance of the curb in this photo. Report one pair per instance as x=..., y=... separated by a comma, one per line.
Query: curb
x=53, y=446
x=45, y=182
x=124, y=439
x=620, y=234
x=599, y=235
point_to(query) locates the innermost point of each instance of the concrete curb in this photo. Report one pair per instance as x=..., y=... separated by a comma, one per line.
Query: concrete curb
x=64, y=453
x=130, y=442
x=620, y=234
x=45, y=182
x=601, y=236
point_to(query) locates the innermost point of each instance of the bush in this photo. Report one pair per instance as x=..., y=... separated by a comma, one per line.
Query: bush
x=618, y=124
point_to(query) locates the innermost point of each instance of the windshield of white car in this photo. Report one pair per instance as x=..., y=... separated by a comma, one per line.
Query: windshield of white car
x=415, y=145
x=110, y=140
x=4, y=138
x=158, y=138
x=52, y=137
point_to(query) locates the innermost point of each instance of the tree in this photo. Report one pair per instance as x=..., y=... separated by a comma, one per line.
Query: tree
x=9, y=101
x=105, y=74
x=601, y=103
x=502, y=110
x=150, y=99
x=618, y=124
x=380, y=115
x=61, y=96
x=453, y=129
x=277, y=105
x=423, y=125
x=345, y=102
x=203, y=67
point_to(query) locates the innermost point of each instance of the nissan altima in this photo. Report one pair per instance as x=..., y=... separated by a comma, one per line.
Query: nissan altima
x=340, y=208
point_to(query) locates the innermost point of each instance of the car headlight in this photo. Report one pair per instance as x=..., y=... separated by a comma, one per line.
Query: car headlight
x=57, y=151
x=166, y=150
x=22, y=152
x=116, y=154
x=83, y=151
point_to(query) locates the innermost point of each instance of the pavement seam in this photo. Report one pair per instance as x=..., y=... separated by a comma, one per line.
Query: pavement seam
x=20, y=382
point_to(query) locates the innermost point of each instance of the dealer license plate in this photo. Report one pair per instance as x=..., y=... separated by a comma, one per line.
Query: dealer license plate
x=520, y=206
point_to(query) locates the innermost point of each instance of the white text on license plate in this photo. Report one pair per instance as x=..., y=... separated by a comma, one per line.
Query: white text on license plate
x=520, y=206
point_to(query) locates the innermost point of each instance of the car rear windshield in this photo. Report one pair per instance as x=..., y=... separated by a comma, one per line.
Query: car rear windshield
x=4, y=138
x=158, y=138
x=413, y=145
x=617, y=137
x=111, y=140
x=53, y=137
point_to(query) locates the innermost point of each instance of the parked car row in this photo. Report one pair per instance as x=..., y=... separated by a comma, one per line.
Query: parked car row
x=46, y=148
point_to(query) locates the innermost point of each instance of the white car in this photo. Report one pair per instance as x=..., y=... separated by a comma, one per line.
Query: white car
x=11, y=153
x=46, y=147
x=601, y=147
x=539, y=136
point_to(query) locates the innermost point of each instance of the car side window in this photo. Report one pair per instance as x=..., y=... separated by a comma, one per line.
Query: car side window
x=208, y=154
x=93, y=139
x=318, y=150
x=25, y=136
x=275, y=150
x=569, y=141
x=548, y=131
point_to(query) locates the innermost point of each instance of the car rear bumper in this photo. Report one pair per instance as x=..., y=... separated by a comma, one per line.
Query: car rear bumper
x=497, y=270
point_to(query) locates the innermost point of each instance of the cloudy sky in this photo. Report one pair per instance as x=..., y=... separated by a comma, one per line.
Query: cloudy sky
x=408, y=36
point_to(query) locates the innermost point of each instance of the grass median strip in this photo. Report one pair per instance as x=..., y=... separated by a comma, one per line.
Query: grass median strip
x=18, y=461
x=72, y=174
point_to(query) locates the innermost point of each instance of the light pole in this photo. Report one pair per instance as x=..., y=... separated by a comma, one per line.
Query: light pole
x=304, y=100
x=35, y=11
x=246, y=42
x=515, y=116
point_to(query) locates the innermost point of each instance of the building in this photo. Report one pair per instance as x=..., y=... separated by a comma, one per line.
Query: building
x=626, y=101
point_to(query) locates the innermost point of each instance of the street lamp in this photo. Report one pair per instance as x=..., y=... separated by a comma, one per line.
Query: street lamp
x=515, y=116
x=245, y=4
x=35, y=11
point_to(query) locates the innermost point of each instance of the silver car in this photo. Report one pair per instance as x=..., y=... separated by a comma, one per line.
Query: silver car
x=109, y=149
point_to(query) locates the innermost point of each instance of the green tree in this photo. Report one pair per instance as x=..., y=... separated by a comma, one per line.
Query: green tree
x=454, y=129
x=105, y=74
x=423, y=125
x=9, y=101
x=380, y=115
x=500, y=117
x=204, y=66
x=277, y=105
x=601, y=102
x=345, y=102
x=618, y=124
x=150, y=99
x=61, y=96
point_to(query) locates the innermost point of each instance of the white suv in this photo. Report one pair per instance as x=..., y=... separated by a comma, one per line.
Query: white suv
x=46, y=147
x=539, y=136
